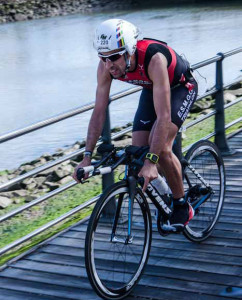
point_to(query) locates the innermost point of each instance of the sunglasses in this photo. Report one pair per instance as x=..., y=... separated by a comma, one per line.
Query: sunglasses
x=112, y=57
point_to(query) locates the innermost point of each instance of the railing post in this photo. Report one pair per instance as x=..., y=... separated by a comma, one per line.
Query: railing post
x=220, y=137
x=107, y=179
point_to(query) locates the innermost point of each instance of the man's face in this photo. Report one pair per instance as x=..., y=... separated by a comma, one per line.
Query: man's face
x=115, y=63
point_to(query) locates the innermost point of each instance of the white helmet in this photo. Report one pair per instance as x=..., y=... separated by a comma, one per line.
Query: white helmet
x=116, y=34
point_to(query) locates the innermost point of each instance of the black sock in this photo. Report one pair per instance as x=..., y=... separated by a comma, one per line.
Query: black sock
x=179, y=201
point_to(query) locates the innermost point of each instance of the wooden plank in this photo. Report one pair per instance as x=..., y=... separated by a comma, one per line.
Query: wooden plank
x=6, y=294
x=164, y=244
x=165, y=282
x=61, y=291
x=158, y=293
x=183, y=261
x=219, y=241
x=220, y=225
x=156, y=279
x=50, y=268
x=49, y=278
x=155, y=251
x=230, y=234
x=209, y=288
x=170, y=271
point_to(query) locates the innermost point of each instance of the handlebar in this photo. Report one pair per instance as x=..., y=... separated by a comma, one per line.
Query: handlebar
x=131, y=155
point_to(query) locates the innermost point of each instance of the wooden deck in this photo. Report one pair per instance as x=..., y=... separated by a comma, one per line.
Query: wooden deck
x=177, y=268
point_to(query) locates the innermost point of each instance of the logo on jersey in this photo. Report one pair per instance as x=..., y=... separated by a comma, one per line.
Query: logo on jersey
x=186, y=105
x=141, y=69
x=139, y=82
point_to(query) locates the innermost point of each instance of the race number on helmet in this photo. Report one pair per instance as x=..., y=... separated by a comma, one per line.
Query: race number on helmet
x=116, y=34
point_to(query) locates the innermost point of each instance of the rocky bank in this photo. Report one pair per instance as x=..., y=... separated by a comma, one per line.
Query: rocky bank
x=21, y=10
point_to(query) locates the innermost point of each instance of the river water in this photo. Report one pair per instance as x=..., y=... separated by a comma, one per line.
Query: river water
x=49, y=66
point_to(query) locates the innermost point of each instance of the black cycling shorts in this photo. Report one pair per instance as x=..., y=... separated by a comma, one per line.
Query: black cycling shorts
x=181, y=102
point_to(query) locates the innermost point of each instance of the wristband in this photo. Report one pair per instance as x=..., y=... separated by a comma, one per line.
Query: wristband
x=88, y=153
x=152, y=157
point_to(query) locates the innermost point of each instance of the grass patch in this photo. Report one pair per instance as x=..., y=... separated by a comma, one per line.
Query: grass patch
x=45, y=235
x=29, y=220
x=4, y=172
x=205, y=127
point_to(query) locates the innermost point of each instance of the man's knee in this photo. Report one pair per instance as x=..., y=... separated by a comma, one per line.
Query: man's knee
x=166, y=155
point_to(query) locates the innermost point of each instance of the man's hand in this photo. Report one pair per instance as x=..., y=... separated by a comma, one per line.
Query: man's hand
x=84, y=163
x=149, y=172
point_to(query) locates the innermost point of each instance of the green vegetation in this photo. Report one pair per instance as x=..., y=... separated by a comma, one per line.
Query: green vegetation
x=29, y=220
x=202, y=129
x=47, y=211
x=4, y=172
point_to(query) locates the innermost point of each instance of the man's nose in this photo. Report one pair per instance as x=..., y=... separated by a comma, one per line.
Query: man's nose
x=108, y=63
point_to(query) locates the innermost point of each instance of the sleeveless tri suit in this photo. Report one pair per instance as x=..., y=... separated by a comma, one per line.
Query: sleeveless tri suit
x=183, y=85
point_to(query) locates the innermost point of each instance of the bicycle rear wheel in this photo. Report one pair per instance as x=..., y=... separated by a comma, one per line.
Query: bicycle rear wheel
x=114, y=265
x=206, y=159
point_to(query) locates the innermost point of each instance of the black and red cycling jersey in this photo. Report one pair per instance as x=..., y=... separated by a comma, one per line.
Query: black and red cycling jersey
x=146, y=48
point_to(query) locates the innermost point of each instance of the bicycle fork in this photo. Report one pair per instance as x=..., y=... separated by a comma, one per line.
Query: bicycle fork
x=132, y=191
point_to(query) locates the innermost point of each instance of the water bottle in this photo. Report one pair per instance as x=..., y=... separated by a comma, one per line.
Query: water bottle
x=160, y=185
x=158, y=190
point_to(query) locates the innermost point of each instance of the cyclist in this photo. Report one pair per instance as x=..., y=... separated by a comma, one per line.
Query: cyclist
x=169, y=90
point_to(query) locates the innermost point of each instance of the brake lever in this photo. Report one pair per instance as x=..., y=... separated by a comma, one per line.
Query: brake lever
x=84, y=181
x=80, y=176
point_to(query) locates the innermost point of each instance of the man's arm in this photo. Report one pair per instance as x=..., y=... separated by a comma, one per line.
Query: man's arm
x=158, y=73
x=98, y=116
x=99, y=113
x=161, y=96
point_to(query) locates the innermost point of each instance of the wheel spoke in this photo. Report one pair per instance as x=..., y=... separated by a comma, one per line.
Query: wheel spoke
x=114, y=267
x=206, y=160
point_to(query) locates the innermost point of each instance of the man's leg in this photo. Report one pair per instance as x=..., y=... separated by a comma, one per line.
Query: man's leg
x=169, y=164
x=144, y=119
x=140, y=138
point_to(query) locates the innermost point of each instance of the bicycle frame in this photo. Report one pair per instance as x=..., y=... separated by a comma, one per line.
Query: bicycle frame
x=133, y=181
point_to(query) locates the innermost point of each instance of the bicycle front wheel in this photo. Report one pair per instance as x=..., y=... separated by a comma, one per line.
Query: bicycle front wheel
x=114, y=263
x=206, y=159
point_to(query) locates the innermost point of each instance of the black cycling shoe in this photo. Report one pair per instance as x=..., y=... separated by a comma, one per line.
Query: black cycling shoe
x=180, y=217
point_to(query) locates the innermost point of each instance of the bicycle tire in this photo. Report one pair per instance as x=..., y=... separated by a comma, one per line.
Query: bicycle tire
x=117, y=275
x=205, y=157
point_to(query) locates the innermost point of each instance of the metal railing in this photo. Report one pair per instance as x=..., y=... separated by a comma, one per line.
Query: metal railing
x=219, y=133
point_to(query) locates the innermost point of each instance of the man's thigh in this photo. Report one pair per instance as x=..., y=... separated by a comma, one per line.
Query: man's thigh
x=145, y=115
x=144, y=119
x=172, y=133
x=144, y=138
x=140, y=138
x=181, y=102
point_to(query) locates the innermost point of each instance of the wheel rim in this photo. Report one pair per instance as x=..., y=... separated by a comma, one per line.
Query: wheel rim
x=205, y=160
x=117, y=266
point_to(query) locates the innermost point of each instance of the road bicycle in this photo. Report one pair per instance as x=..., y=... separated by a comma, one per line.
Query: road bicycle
x=119, y=233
